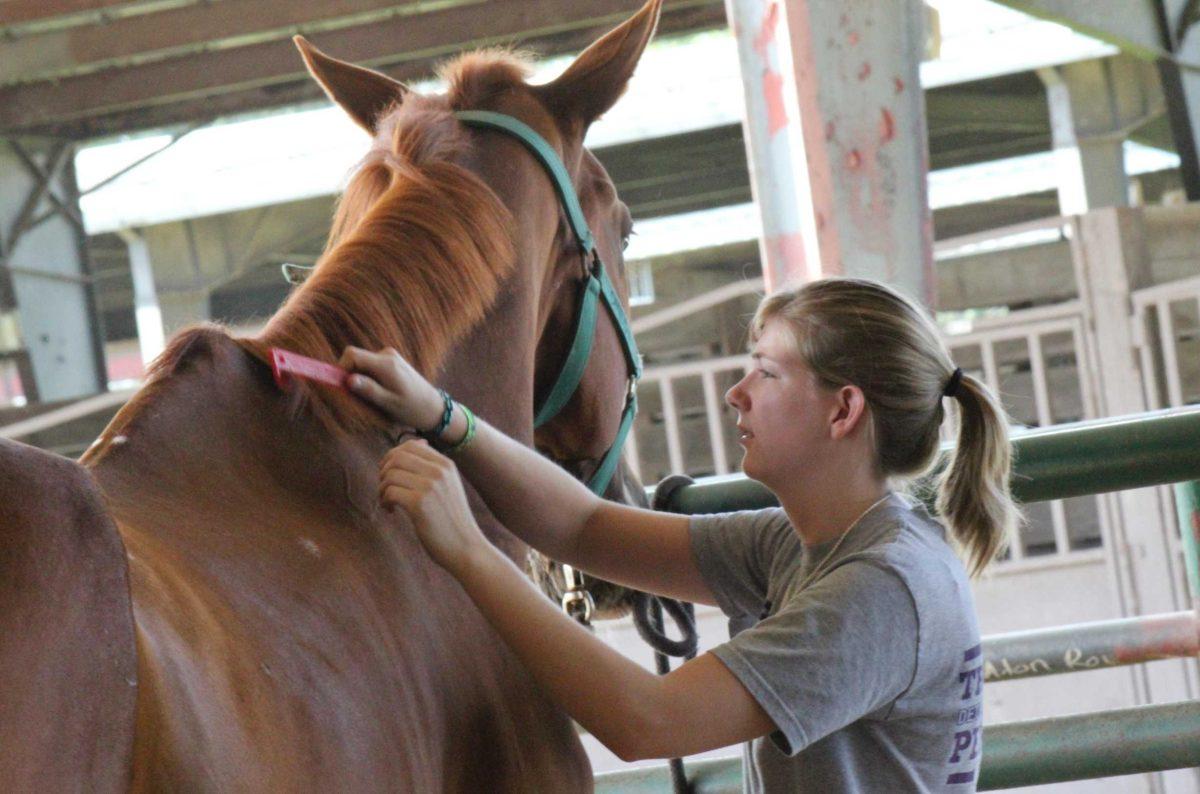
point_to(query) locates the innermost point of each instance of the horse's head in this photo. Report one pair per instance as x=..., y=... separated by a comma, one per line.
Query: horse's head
x=550, y=266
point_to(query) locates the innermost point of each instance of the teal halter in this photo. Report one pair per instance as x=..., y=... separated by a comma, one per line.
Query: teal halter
x=596, y=287
x=593, y=289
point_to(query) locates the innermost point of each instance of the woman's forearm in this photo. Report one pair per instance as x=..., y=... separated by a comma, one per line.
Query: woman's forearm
x=609, y=695
x=532, y=497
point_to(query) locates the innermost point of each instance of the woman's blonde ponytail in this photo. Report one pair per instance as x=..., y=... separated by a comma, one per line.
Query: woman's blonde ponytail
x=973, y=493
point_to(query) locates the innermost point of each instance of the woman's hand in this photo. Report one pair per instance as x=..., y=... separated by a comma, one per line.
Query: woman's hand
x=390, y=383
x=426, y=485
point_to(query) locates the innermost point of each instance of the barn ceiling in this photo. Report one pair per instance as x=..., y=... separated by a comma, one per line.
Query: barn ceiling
x=86, y=68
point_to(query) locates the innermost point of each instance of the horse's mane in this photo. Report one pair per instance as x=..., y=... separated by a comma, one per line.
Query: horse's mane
x=416, y=255
x=418, y=248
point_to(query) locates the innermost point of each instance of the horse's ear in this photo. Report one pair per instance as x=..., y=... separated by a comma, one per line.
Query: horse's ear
x=597, y=78
x=362, y=93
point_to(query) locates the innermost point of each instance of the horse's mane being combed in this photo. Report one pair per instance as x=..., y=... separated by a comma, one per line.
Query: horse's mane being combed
x=417, y=252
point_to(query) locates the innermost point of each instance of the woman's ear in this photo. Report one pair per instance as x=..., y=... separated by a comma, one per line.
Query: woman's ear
x=849, y=412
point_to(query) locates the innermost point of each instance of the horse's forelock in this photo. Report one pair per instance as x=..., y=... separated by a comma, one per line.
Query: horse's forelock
x=477, y=77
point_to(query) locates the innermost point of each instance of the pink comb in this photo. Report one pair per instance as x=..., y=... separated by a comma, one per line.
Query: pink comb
x=285, y=365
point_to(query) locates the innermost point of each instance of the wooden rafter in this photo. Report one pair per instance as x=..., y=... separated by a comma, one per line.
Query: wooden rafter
x=270, y=73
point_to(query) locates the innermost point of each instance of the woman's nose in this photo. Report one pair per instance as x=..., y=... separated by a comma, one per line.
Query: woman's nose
x=736, y=396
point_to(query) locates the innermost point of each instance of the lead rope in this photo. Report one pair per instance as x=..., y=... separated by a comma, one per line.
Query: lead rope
x=682, y=613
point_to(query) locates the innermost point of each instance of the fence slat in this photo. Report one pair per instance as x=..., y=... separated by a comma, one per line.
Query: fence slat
x=712, y=409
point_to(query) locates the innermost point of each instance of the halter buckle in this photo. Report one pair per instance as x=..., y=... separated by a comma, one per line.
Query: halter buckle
x=592, y=265
x=577, y=602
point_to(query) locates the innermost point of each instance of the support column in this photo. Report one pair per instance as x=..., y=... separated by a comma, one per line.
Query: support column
x=147, y=314
x=836, y=138
x=46, y=277
x=1094, y=106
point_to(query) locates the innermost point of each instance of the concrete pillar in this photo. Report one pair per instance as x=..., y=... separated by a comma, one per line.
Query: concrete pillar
x=147, y=314
x=43, y=253
x=1094, y=106
x=836, y=138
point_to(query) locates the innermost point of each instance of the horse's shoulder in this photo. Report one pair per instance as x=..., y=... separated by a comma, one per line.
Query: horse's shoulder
x=68, y=659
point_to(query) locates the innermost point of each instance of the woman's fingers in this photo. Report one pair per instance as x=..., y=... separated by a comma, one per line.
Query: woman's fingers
x=409, y=451
x=369, y=389
x=412, y=480
x=397, y=494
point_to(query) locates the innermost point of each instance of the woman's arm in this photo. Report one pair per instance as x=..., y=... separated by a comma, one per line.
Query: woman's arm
x=535, y=499
x=635, y=713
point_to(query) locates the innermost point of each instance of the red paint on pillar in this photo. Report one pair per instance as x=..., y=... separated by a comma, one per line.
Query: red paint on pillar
x=766, y=32
x=898, y=84
x=887, y=126
x=772, y=88
x=853, y=160
x=830, y=130
x=864, y=71
x=852, y=38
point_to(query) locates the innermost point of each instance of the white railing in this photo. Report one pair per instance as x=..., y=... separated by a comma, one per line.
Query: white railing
x=1159, y=303
x=664, y=378
x=1029, y=329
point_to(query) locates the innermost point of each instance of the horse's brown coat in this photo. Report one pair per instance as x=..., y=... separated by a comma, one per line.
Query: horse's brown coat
x=67, y=663
x=285, y=633
x=291, y=635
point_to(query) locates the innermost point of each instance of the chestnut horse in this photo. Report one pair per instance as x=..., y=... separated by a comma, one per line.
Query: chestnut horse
x=214, y=600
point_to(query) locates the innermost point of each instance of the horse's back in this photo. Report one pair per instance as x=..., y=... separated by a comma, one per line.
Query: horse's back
x=68, y=662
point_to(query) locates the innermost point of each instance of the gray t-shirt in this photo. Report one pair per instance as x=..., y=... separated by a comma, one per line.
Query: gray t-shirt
x=872, y=673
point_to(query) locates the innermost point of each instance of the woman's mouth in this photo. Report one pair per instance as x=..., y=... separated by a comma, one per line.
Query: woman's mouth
x=744, y=435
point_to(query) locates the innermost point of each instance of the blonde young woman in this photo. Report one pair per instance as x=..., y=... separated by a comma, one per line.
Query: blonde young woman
x=855, y=660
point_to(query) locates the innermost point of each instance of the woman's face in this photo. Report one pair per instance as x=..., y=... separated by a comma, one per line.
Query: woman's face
x=784, y=414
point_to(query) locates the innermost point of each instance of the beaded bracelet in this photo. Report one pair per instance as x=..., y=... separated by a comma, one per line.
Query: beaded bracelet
x=436, y=433
x=469, y=436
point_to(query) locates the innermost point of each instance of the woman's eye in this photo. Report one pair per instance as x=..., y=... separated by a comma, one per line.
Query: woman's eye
x=764, y=373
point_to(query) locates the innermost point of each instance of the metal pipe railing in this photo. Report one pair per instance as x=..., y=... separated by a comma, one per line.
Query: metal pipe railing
x=1050, y=463
x=1090, y=646
x=1028, y=753
x=1187, y=509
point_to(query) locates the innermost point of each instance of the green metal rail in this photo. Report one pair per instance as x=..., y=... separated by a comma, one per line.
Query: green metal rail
x=1029, y=753
x=1052, y=463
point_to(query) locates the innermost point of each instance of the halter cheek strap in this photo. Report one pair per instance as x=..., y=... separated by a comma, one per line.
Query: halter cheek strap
x=596, y=287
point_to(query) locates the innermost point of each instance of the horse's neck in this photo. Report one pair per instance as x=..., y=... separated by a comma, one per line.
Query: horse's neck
x=215, y=421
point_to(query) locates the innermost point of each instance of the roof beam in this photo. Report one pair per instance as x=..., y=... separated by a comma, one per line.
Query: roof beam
x=271, y=74
x=19, y=13
x=189, y=29
x=1132, y=25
